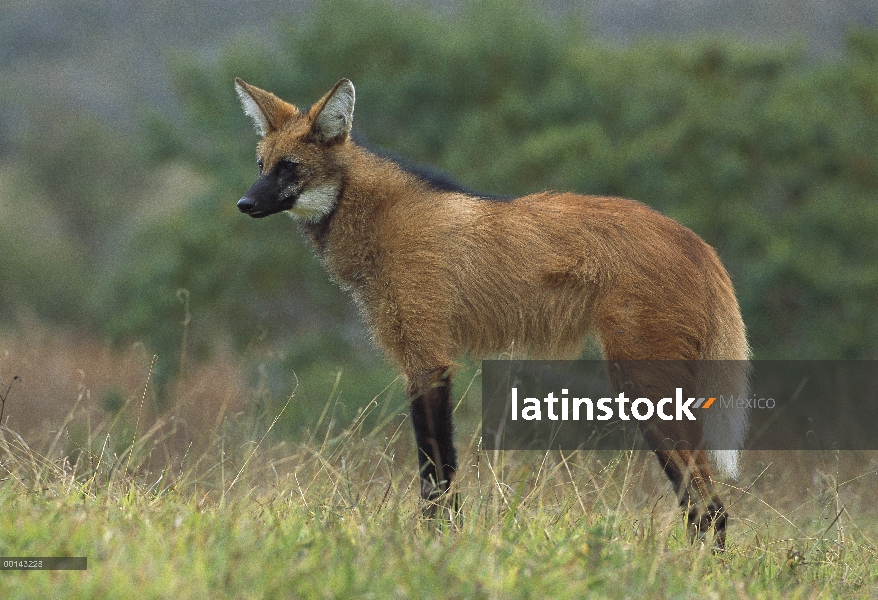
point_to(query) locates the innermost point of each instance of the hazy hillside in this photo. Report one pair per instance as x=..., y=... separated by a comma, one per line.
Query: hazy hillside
x=110, y=56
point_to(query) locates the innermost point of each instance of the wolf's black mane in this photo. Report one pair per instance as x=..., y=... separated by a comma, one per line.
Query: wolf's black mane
x=435, y=178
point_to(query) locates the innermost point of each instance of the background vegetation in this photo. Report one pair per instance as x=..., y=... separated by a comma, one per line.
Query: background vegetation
x=768, y=155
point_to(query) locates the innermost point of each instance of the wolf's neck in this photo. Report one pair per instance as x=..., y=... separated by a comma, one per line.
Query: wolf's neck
x=348, y=236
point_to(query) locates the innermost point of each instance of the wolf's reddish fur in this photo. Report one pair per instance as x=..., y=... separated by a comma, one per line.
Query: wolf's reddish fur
x=440, y=273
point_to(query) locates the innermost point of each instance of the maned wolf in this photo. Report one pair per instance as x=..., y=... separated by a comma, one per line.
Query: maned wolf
x=437, y=271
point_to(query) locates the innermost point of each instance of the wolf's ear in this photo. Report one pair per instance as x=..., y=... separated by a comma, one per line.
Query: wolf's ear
x=333, y=115
x=267, y=110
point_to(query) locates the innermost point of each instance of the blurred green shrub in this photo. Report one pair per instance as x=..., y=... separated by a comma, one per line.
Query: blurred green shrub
x=771, y=158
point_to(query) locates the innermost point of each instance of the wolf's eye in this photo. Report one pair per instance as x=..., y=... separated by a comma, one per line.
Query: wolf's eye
x=259, y=165
x=287, y=165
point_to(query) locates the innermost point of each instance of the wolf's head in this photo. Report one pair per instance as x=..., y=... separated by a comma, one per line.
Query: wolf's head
x=301, y=153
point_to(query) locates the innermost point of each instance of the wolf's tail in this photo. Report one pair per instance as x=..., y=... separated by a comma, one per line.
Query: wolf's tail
x=727, y=373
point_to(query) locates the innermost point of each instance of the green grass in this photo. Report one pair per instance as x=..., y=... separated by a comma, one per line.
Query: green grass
x=337, y=516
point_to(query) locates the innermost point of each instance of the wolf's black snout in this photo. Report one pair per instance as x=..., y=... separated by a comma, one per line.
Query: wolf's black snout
x=246, y=205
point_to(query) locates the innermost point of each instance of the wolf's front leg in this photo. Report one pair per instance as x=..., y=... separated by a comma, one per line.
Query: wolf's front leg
x=431, y=408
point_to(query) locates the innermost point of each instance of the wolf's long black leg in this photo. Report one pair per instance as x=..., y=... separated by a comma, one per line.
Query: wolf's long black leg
x=691, y=478
x=431, y=411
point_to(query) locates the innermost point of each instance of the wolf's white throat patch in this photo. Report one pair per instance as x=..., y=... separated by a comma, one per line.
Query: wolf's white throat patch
x=315, y=203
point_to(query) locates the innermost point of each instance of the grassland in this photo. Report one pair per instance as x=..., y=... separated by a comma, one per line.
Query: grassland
x=236, y=512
